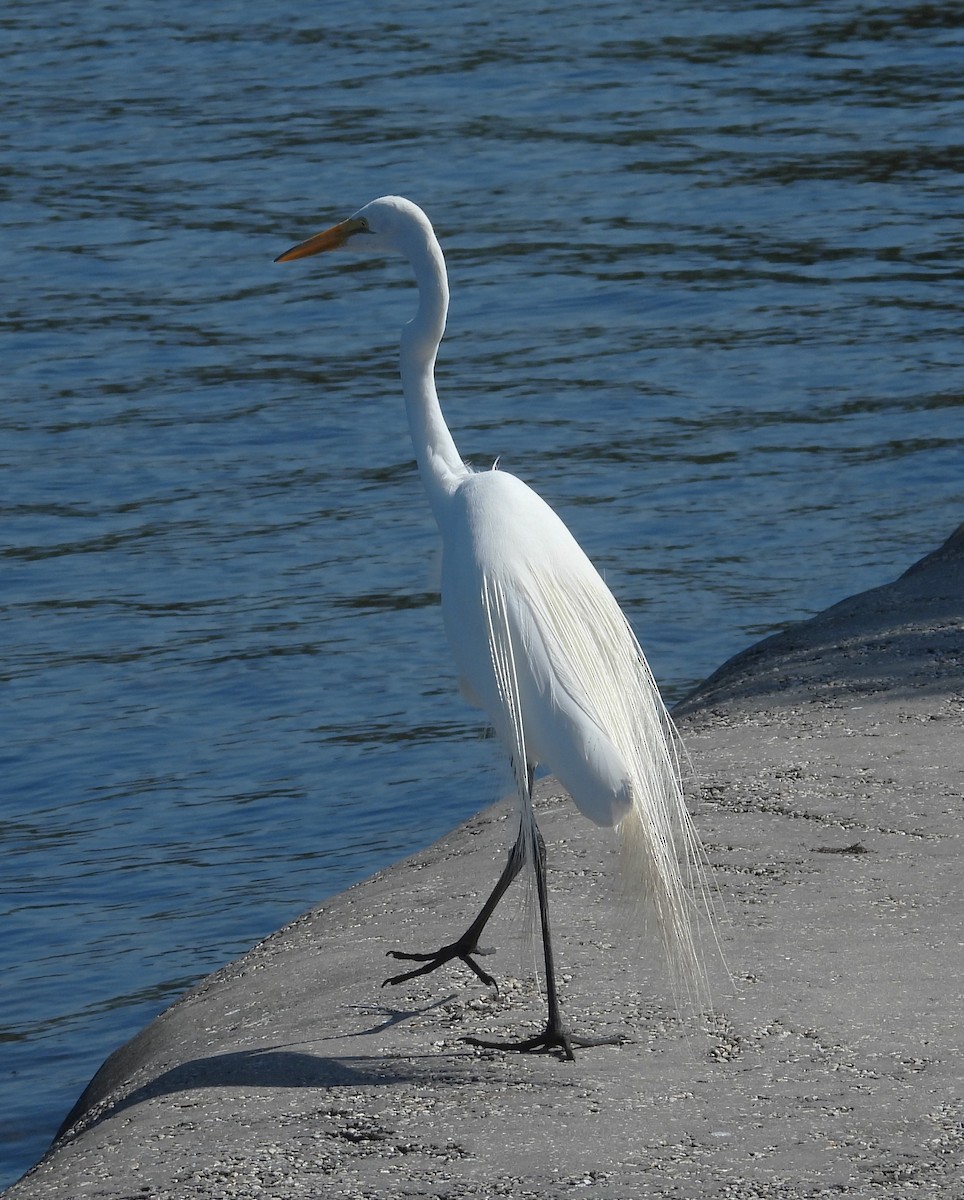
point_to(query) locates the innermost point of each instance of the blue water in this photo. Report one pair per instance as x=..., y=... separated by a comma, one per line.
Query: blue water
x=707, y=296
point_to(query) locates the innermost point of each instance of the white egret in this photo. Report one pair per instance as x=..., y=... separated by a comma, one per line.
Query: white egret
x=541, y=645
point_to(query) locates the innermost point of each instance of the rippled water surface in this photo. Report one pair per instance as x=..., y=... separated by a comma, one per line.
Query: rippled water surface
x=706, y=273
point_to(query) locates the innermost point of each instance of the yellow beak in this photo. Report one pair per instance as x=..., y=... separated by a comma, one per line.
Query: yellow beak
x=328, y=239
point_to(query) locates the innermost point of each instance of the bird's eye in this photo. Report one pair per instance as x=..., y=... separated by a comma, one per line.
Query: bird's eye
x=363, y=225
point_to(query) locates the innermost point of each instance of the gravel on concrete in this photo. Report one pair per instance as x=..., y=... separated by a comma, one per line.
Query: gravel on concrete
x=831, y=760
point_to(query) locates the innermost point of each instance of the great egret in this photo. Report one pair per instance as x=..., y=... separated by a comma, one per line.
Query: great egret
x=541, y=645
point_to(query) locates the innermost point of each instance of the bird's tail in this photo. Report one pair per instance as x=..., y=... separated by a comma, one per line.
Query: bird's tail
x=663, y=861
x=664, y=874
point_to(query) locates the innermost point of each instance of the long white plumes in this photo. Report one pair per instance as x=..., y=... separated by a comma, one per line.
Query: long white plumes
x=512, y=732
x=595, y=662
x=661, y=853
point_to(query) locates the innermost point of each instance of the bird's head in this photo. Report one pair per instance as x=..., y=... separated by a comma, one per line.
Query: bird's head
x=382, y=225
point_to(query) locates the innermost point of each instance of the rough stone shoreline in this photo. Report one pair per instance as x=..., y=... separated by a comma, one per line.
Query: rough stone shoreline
x=831, y=759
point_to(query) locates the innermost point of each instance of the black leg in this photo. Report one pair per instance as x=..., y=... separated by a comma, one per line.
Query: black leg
x=555, y=1036
x=468, y=944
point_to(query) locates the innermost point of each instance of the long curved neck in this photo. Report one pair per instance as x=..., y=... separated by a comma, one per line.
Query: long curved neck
x=439, y=462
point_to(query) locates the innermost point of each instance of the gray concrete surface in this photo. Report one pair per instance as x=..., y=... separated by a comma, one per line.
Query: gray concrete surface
x=832, y=765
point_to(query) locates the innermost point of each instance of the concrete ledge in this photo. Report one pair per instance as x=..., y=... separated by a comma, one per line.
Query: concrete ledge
x=832, y=761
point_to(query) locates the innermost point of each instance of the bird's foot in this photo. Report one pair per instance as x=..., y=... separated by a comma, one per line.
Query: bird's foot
x=463, y=949
x=554, y=1039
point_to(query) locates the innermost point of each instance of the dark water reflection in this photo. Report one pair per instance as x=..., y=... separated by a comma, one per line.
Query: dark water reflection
x=706, y=271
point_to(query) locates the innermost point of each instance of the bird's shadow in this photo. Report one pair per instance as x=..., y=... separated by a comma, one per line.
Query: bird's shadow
x=270, y=1067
